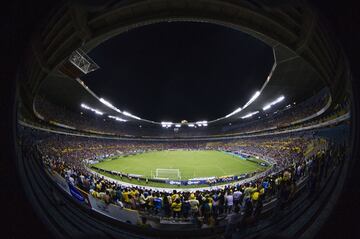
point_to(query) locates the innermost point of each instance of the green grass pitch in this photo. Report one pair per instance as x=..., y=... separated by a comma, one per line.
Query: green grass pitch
x=192, y=164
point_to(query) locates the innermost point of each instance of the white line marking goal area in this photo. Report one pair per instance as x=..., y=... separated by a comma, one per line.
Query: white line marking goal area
x=167, y=173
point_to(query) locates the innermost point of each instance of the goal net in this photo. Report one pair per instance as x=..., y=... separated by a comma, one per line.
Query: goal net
x=163, y=173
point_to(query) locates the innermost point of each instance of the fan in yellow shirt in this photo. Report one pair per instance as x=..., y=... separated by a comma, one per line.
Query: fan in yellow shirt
x=176, y=207
x=125, y=195
x=174, y=196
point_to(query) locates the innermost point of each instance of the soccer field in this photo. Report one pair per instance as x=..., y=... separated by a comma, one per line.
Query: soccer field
x=191, y=164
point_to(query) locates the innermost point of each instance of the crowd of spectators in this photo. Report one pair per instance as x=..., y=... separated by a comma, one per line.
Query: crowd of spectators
x=82, y=120
x=238, y=204
x=282, y=149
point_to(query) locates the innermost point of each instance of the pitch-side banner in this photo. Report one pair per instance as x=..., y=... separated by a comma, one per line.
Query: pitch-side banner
x=80, y=195
x=110, y=210
x=173, y=182
x=195, y=182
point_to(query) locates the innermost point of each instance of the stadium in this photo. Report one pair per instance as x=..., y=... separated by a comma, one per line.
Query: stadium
x=240, y=123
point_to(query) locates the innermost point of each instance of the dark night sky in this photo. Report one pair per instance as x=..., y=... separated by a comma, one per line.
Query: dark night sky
x=180, y=70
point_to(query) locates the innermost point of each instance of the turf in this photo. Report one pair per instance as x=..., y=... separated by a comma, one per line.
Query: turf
x=192, y=164
x=153, y=184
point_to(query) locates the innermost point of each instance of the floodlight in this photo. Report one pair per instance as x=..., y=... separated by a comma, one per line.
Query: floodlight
x=191, y=125
x=166, y=124
x=266, y=107
x=252, y=99
x=178, y=125
x=117, y=118
x=202, y=123
x=98, y=112
x=250, y=114
x=255, y=96
x=120, y=119
x=130, y=115
x=85, y=106
x=93, y=110
x=279, y=99
x=108, y=104
x=234, y=112
x=105, y=102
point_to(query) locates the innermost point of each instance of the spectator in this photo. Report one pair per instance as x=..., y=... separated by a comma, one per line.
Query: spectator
x=237, y=197
x=194, y=205
x=176, y=207
x=229, y=200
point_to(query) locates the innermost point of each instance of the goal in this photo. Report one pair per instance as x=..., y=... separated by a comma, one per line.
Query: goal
x=165, y=173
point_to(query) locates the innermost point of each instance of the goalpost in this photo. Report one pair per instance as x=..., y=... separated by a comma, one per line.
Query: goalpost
x=165, y=173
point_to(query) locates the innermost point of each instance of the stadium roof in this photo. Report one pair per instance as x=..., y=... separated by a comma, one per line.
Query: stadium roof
x=307, y=57
x=290, y=77
x=188, y=70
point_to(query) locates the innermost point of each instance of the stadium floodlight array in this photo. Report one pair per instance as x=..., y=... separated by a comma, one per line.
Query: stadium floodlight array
x=234, y=112
x=91, y=109
x=191, y=125
x=130, y=115
x=165, y=124
x=250, y=114
x=202, y=123
x=177, y=125
x=117, y=118
x=252, y=99
x=268, y=106
x=108, y=104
